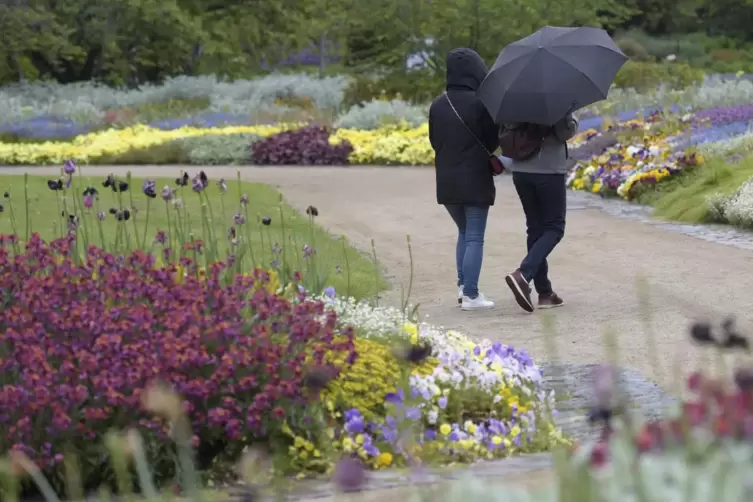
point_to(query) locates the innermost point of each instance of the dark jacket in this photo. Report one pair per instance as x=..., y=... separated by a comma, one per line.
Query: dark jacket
x=462, y=164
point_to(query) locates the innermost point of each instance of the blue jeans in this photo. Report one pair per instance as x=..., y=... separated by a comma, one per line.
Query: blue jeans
x=469, y=252
x=544, y=201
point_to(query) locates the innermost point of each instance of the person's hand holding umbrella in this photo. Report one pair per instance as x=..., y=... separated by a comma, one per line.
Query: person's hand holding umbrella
x=546, y=76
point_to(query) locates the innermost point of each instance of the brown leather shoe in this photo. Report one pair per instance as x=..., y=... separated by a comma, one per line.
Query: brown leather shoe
x=521, y=289
x=550, y=301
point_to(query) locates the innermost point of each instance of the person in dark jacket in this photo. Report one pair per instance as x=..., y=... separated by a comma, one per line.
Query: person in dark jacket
x=462, y=133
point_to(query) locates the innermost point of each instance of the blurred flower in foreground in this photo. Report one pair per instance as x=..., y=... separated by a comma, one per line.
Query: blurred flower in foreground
x=161, y=400
x=350, y=474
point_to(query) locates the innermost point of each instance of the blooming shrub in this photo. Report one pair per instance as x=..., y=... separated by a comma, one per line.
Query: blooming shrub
x=365, y=384
x=392, y=145
x=736, y=209
x=480, y=400
x=114, y=141
x=82, y=341
x=378, y=113
x=306, y=146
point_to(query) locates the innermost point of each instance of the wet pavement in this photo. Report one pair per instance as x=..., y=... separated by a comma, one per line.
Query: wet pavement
x=720, y=234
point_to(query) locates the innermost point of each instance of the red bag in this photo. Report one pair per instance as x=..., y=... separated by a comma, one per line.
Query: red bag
x=495, y=165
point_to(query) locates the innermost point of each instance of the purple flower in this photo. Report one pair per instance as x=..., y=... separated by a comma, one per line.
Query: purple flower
x=196, y=185
x=442, y=402
x=239, y=219
x=101, y=216
x=430, y=434
x=396, y=398
x=149, y=188
x=69, y=167
x=412, y=413
x=167, y=193
x=329, y=292
x=350, y=474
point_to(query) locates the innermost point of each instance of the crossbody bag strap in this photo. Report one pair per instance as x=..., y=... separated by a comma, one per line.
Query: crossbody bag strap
x=466, y=125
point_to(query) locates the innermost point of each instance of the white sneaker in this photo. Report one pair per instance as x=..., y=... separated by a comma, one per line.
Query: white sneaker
x=460, y=295
x=478, y=303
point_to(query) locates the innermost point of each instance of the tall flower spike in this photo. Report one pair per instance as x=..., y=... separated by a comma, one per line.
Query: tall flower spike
x=167, y=193
x=69, y=167
x=149, y=188
x=196, y=184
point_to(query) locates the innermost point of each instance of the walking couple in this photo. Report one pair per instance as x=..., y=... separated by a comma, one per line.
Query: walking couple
x=463, y=135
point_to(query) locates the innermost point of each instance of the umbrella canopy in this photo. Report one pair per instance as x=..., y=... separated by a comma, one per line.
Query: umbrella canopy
x=543, y=77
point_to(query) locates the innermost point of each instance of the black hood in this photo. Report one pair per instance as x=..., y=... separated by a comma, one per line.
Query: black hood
x=465, y=69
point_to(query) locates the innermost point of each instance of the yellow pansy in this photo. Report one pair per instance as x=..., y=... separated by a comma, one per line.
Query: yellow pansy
x=384, y=459
x=445, y=429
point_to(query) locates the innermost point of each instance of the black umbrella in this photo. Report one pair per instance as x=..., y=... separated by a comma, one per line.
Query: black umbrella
x=544, y=76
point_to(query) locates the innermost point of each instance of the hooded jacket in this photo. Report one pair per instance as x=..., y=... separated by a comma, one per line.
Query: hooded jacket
x=462, y=164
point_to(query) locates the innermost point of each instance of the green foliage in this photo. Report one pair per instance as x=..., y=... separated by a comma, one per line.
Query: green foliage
x=634, y=50
x=695, y=198
x=416, y=86
x=130, y=42
x=646, y=75
x=171, y=153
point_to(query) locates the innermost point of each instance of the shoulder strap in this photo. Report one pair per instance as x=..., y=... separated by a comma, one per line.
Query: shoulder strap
x=466, y=125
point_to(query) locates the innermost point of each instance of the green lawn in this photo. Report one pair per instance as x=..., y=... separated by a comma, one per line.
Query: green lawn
x=687, y=199
x=208, y=216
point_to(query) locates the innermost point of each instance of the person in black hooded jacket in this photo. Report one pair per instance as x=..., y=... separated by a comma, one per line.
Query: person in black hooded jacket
x=462, y=133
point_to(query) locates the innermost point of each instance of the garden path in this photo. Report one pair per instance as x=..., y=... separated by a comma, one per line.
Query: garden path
x=594, y=268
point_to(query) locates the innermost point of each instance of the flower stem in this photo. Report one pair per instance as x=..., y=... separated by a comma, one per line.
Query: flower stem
x=26, y=200
x=346, y=261
x=146, y=223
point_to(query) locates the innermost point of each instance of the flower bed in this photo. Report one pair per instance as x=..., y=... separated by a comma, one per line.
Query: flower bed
x=241, y=354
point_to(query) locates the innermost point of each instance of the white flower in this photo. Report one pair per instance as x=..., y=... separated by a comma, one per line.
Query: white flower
x=432, y=416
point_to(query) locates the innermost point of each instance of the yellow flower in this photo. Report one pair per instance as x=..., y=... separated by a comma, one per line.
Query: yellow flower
x=359, y=439
x=348, y=444
x=384, y=459
x=303, y=455
x=298, y=442
x=466, y=443
x=515, y=431
x=470, y=427
x=445, y=429
x=496, y=440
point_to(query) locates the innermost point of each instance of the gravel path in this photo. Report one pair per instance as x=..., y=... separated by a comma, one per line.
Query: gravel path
x=594, y=268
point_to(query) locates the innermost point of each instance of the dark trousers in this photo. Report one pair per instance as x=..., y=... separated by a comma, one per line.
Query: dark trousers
x=544, y=201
